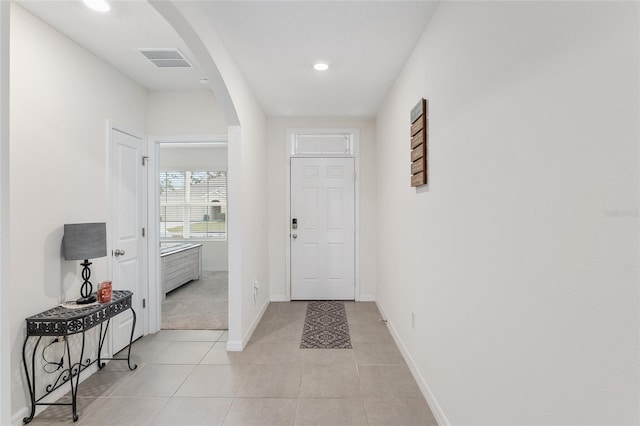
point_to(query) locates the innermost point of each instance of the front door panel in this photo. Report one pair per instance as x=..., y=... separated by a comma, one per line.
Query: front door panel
x=322, y=245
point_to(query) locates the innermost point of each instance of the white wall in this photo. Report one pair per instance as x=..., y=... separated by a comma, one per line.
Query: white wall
x=61, y=98
x=278, y=229
x=5, y=361
x=247, y=175
x=191, y=113
x=520, y=258
x=193, y=158
x=215, y=256
x=185, y=112
x=248, y=167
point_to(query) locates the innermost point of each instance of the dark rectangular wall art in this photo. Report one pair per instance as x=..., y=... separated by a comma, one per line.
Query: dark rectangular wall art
x=419, y=133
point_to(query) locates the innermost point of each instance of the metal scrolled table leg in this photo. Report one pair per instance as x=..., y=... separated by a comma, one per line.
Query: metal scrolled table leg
x=102, y=338
x=31, y=381
x=133, y=329
x=74, y=388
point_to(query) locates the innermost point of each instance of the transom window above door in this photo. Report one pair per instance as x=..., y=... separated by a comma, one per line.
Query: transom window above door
x=193, y=205
x=327, y=144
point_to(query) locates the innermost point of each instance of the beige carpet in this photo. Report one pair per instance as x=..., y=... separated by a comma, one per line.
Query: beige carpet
x=198, y=305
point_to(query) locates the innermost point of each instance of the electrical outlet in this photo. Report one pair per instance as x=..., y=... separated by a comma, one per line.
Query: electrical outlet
x=413, y=320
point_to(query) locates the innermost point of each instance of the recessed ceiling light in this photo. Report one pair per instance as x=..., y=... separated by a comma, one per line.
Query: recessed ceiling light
x=321, y=66
x=98, y=5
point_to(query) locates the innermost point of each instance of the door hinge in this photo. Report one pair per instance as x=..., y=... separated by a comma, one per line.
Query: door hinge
x=144, y=160
x=144, y=303
x=143, y=232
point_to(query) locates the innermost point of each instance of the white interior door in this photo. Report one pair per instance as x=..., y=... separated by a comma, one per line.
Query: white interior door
x=127, y=241
x=323, y=243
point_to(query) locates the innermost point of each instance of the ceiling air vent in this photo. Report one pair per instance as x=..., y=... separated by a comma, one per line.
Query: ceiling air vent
x=166, y=58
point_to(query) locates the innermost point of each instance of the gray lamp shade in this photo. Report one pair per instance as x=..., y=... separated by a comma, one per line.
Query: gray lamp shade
x=84, y=241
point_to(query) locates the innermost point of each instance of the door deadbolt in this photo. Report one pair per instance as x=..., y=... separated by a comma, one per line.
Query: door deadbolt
x=294, y=223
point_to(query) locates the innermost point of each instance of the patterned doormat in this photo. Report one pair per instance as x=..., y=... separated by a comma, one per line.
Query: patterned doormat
x=325, y=326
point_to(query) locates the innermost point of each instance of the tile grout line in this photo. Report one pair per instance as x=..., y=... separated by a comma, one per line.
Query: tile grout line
x=166, y=402
x=173, y=396
x=226, y=414
x=306, y=365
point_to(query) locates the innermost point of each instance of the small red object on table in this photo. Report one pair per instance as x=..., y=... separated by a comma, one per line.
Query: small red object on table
x=104, y=292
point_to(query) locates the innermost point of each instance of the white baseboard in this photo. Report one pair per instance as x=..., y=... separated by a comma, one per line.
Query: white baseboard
x=441, y=418
x=234, y=346
x=16, y=419
x=366, y=298
x=278, y=298
x=238, y=345
x=362, y=298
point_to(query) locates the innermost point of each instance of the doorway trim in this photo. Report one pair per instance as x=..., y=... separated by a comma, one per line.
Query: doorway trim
x=354, y=153
x=155, y=297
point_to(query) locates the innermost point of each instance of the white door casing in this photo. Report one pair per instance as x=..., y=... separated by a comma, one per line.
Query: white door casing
x=155, y=291
x=323, y=244
x=128, y=204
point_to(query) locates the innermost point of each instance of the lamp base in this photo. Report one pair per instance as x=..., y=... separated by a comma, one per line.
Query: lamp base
x=87, y=287
x=84, y=300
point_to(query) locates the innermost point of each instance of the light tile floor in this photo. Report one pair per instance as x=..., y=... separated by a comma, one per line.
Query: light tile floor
x=188, y=378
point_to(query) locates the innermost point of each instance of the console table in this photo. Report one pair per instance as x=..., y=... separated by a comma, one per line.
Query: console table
x=61, y=322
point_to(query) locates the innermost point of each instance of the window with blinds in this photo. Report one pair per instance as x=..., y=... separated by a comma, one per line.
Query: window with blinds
x=193, y=205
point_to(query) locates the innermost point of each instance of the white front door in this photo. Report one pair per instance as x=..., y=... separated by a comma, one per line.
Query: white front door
x=323, y=243
x=127, y=243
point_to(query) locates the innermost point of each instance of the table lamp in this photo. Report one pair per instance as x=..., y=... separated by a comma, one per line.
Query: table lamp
x=84, y=241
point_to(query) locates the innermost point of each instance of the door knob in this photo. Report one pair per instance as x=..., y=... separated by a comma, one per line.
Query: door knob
x=294, y=236
x=118, y=252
